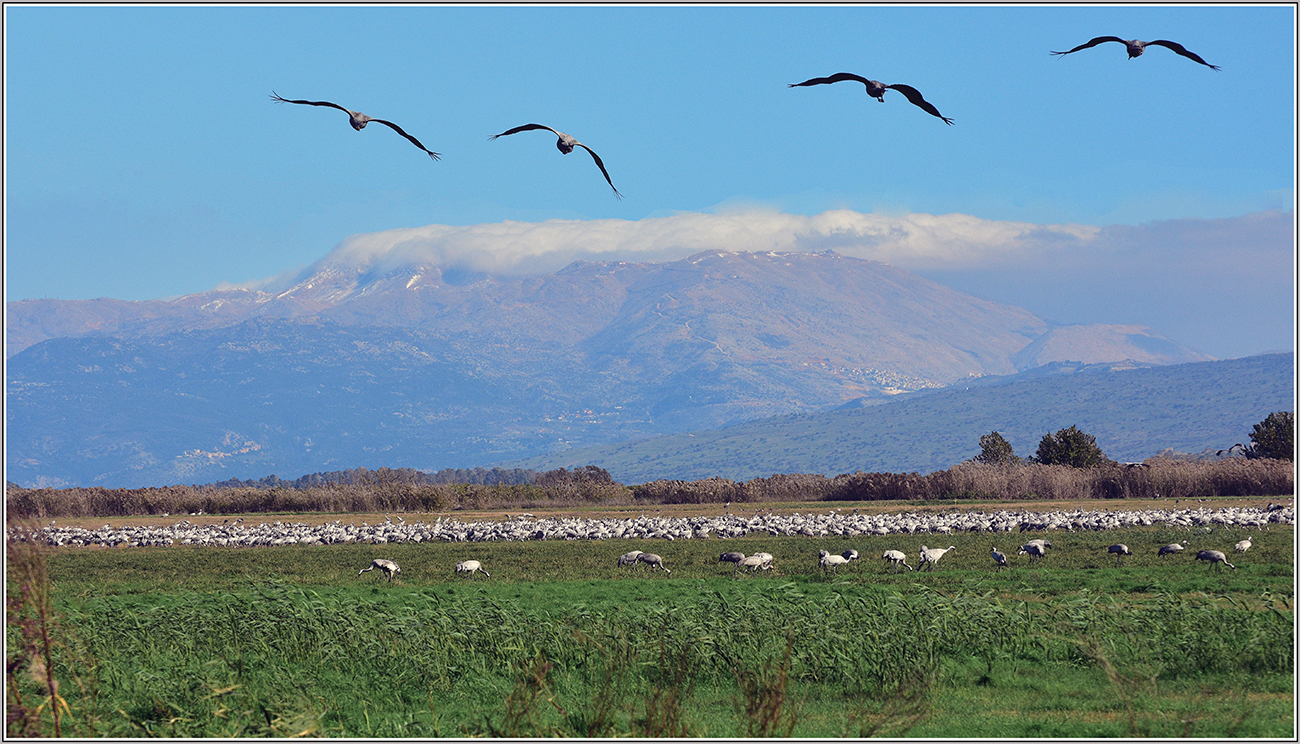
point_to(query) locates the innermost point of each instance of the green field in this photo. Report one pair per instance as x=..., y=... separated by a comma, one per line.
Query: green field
x=559, y=641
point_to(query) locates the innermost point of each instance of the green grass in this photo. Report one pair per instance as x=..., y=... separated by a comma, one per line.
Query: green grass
x=188, y=641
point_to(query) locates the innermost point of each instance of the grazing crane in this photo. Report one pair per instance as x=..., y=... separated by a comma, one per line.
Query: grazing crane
x=753, y=563
x=898, y=558
x=732, y=557
x=1120, y=550
x=469, y=567
x=931, y=556
x=1171, y=548
x=1136, y=48
x=1034, y=550
x=876, y=90
x=850, y=555
x=1242, y=546
x=1214, y=556
x=565, y=144
x=833, y=562
x=999, y=558
x=628, y=559
x=653, y=561
x=389, y=568
x=358, y=120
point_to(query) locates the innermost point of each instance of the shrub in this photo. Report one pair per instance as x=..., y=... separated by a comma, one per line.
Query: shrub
x=1070, y=447
x=1274, y=437
x=994, y=450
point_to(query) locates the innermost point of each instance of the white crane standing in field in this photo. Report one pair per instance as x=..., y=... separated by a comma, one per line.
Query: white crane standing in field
x=389, y=568
x=628, y=559
x=755, y=562
x=898, y=558
x=1242, y=546
x=469, y=567
x=931, y=556
x=833, y=562
x=1034, y=550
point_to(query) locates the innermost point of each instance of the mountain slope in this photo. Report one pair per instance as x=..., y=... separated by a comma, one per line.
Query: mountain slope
x=381, y=363
x=1133, y=413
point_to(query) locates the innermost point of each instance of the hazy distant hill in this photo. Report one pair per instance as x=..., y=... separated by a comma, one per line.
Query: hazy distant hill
x=1134, y=413
x=407, y=366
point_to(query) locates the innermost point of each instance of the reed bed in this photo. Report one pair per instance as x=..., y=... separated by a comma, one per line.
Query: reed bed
x=1157, y=479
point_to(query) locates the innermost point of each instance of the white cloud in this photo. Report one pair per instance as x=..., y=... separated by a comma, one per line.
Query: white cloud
x=1205, y=283
x=911, y=241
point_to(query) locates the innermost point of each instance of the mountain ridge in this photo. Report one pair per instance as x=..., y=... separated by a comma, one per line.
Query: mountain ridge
x=1134, y=412
x=388, y=359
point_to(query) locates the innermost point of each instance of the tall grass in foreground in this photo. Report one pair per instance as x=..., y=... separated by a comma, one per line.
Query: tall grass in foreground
x=1168, y=479
x=756, y=659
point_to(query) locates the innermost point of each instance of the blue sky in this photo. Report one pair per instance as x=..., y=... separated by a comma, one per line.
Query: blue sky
x=145, y=159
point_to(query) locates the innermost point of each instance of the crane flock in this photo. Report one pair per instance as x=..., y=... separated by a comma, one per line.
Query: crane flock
x=874, y=88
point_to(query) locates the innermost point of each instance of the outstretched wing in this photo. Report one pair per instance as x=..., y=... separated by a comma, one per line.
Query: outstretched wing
x=413, y=140
x=836, y=78
x=278, y=99
x=1093, y=43
x=525, y=128
x=914, y=96
x=1180, y=49
x=600, y=165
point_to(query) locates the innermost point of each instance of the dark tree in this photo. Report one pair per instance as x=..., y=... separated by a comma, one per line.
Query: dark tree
x=994, y=450
x=1070, y=447
x=1273, y=438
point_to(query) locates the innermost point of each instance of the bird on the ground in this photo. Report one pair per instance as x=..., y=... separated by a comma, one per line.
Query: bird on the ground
x=731, y=557
x=469, y=567
x=1120, y=550
x=1214, y=556
x=359, y=120
x=931, y=556
x=1000, y=558
x=1034, y=550
x=1242, y=546
x=389, y=568
x=829, y=561
x=876, y=90
x=653, y=561
x=564, y=144
x=1136, y=48
x=1171, y=548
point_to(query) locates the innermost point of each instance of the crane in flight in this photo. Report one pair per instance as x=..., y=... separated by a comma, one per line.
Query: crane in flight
x=358, y=120
x=876, y=90
x=565, y=145
x=1136, y=48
